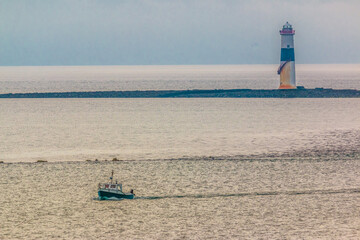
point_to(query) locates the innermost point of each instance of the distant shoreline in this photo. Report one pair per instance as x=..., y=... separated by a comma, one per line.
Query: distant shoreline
x=214, y=93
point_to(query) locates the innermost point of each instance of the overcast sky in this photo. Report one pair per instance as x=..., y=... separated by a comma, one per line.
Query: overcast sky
x=128, y=32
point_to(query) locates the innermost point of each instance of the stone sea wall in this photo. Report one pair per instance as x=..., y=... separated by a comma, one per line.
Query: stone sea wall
x=216, y=93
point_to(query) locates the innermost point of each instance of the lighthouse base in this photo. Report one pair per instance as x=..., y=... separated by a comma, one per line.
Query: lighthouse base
x=287, y=75
x=287, y=86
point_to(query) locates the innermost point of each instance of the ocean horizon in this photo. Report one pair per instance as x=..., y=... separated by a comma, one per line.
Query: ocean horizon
x=28, y=79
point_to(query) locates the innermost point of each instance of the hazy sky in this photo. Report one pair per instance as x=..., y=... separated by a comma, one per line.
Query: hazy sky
x=127, y=32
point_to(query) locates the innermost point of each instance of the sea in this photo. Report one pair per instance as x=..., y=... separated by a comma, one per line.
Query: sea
x=201, y=168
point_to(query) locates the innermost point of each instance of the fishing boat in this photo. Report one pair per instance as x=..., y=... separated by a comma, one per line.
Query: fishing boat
x=113, y=190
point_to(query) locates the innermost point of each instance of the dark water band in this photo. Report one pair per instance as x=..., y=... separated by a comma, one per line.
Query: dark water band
x=287, y=54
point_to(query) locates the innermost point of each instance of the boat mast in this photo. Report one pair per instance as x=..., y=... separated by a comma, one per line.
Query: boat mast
x=112, y=174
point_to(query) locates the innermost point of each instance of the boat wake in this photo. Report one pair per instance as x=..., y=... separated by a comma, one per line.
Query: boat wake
x=274, y=193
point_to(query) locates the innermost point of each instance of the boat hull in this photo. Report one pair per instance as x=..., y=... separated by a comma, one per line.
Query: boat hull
x=103, y=195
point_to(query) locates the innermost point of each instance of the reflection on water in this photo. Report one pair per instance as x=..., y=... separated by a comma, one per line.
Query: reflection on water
x=133, y=129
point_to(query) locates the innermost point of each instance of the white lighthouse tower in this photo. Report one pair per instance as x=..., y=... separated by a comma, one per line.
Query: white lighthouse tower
x=287, y=61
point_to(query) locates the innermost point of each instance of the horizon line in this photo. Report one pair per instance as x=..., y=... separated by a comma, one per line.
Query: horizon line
x=215, y=64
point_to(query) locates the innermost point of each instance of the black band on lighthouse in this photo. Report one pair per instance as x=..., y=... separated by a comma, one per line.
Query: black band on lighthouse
x=287, y=54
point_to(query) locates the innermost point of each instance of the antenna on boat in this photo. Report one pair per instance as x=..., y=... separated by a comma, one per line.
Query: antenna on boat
x=112, y=174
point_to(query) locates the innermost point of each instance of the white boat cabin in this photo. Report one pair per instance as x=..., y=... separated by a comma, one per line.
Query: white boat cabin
x=111, y=186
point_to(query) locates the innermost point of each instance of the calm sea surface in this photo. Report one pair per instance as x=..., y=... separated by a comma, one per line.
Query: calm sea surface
x=117, y=78
x=201, y=168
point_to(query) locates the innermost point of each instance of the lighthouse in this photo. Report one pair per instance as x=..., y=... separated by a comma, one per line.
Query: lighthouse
x=287, y=61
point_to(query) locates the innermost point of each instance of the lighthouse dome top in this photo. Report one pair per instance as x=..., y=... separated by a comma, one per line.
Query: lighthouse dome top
x=287, y=25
